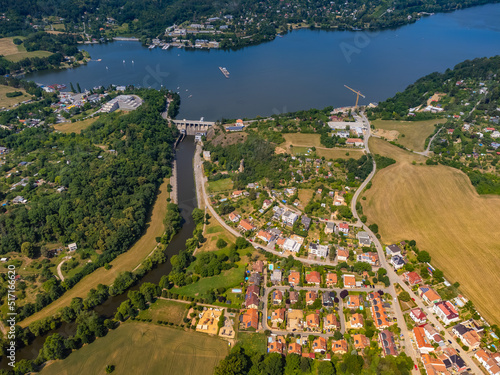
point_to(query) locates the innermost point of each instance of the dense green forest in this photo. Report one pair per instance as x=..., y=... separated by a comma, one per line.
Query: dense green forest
x=256, y=21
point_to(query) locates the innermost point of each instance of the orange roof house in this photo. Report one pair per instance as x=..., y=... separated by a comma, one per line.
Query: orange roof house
x=312, y=320
x=294, y=348
x=246, y=225
x=319, y=345
x=356, y=321
x=313, y=277
x=294, y=278
x=339, y=347
x=311, y=296
x=349, y=281
x=250, y=319
x=354, y=301
x=331, y=278
x=331, y=322
x=360, y=341
x=423, y=343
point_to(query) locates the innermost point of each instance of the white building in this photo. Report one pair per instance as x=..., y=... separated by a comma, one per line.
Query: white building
x=289, y=218
x=319, y=250
x=291, y=245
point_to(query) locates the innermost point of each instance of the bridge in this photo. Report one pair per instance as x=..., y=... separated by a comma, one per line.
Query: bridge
x=192, y=127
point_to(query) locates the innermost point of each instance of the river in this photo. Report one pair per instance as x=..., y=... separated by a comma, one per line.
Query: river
x=187, y=202
x=304, y=69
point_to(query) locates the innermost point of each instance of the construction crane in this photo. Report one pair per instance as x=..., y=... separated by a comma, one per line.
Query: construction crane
x=358, y=94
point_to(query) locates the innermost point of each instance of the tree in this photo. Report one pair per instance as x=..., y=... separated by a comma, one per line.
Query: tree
x=110, y=369
x=78, y=87
x=326, y=368
x=404, y=296
x=292, y=363
x=373, y=228
x=438, y=275
x=235, y=363
x=273, y=364
x=137, y=299
x=221, y=243
x=28, y=249
x=423, y=257
x=305, y=364
x=198, y=215
x=241, y=243
x=54, y=347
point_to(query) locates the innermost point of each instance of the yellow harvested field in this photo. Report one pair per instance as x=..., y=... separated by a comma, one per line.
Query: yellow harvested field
x=7, y=47
x=415, y=132
x=124, y=262
x=9, y=102
x=15, y=53
x=438, y=207
x=339, y=153
x=381, y=147
x=75, y=127
x=301, y=139
x=305, y=196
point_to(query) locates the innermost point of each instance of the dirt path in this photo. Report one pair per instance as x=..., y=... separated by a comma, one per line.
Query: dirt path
x=59, y=272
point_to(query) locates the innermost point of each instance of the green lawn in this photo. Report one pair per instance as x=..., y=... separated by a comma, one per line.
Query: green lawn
x=253, y=342
x=214, y=229
x=147, y=349
x=167, y=311
x=220, y=185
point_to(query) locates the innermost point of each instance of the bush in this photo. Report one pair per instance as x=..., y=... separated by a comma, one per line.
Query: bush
x=221, y=243
x=13, y=94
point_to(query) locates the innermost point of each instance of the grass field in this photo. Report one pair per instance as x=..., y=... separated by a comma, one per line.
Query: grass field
x=438, y=207
x=213, y=232
x=167, y=311
x=15, y=53
x=303, y=142
x=415, y=132
x=253, y=342
x=9, y=102
x=140, y=348
x=125, y=262
x=301, y=139
x=225, y=184
x=305, y=196
x=336, y=153
x=75, y=127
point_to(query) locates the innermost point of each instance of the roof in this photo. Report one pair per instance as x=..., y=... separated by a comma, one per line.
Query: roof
x=294, y=277
x=429, y=293
x=393, y=248
x=360, y=341
x=356, y=319
x=349, y=280
x=421, y=339
x=294, y=348
x=339, y=345
x=386, y=339
x=418, y=313
x=313, y=277
x=447, y=308
x=250, y=318
x=312, y=319
x=331, y=278
x=344, y=226
x=342, y=253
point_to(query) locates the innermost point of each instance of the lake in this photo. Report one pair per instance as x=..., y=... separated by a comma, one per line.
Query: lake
x=304, y=69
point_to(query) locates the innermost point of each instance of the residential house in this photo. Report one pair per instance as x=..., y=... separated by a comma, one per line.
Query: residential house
x=380, y=319
x=432, y=334
x=264, y=236
x=356, y=142
x=446, y=312
x=349, y=281
x=311, y=296
x=258, y=266
x=294, y=348
x=318, y=250
x=267, y=203
x=328, y=298
x=250, y=319
x=370, y=258
x=291, y=245
x=252, y=302
x=319, y=345
x=364, y=239
x=206, y=155
x=245, y=225
x=392, y=250
x=72, y=246
x=277, y=297
x=356, y=321
x=295, y=320
x=452, y=360
x=344, y=228
x=278, y=316
x=312, y=321
x=276, y=276
x=428, y=294
x=306, y=221
x=412, y=278
x=234, y=217
x=418, y=316
x=237, y=194
x=331, y=279
x=329, y=228
x=330, y=322
x=490, y=361
x=313, y=277
x=339, y=347
x=342, y=255
x=276, y=344
x=294, y=297
x=289, y=218
x=19, y=200
x=423, y=343
x=397, y=261
x=354, y=301
x=294, y=278
x=433, y=366
x=255, y=278
x=386, y=340
x=360, y=341
x=467, y=334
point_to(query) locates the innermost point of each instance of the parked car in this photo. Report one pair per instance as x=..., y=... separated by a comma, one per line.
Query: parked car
x=449, y=341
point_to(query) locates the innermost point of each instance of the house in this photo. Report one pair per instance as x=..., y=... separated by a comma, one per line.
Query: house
x=318, y=250
x=393, y=250
x=342, y=255
x=250, y=319
x=291, y=245
x=364, y=239
x=339, y=347
x=331, y=279
x=277, y=297
x=208, y=322
x=234, y=217
x=19, y=199
x=354, y=301
x=412, y=278
x=264, y=235
x=418, y=316
x=289, y=218
x=471, y=339
x=252, y=297
x=60, y=189
x=386, y=340
x=328, y=298
x=330, y=322
x=237, y=194
x=276, y=345
x=312, y=320
x=245, y=225
x=490, y=361
x=306, y=222
x=252, y=290
x=360, y=341
x=294, y=348
x=397, y=261
x=319, y=345
x=294, y=278
x=311, y=296
x=72, y=246
x=356, y=321
x=313, y=277
x=267, y=203
x=356, y=142
x=446, y=312
x=276, y=276
x=294, y=296
x=370, y=258
x=432, y=334
x=344, y=228
x=428, y=294
x=423, y=344
x=330, y=228
x=433, y=366
x=379, y=314
x=349, y=281
x=278, y=316
x=258, y=266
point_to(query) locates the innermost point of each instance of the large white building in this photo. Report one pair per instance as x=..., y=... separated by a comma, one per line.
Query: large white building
x=126, y=102
x=318, y=250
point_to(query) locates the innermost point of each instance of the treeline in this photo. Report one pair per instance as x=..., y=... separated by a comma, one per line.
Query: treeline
x=417, y=94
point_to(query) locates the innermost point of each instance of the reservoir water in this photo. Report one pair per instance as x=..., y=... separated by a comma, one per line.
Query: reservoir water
x=304, y=69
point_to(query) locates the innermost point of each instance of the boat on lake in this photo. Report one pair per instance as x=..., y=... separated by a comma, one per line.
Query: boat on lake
x=224, y=71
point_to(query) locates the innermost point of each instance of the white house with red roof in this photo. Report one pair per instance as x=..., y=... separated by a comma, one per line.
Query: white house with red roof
x=418, y=316
x=446, y=312
x=344, y=228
